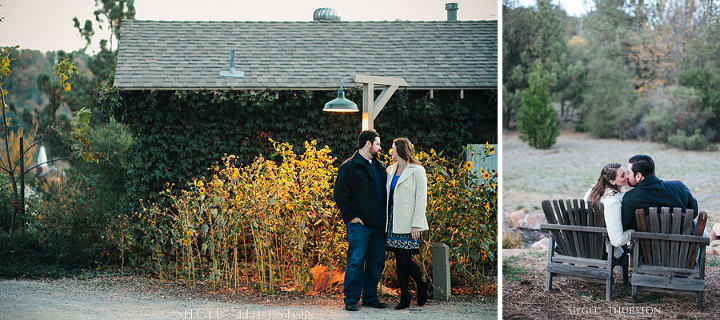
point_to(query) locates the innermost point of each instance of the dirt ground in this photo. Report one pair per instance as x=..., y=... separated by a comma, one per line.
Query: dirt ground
x=142, y=298
x=577, y=298
x=566, y=171
x=572, y=165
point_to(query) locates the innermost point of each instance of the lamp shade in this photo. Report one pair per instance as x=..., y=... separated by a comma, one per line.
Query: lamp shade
x=340, y=104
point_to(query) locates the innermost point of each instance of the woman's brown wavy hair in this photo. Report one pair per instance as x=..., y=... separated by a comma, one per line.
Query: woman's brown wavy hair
x=405, y=150
x=608, y=172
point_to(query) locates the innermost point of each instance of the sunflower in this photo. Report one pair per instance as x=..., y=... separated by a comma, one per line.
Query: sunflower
x=486, y=175
x=202, y=220
x=201, y=190
x=468, y=165
x=199, y=184
x=487, y=206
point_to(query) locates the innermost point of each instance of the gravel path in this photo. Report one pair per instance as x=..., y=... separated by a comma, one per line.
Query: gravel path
x=139, y=298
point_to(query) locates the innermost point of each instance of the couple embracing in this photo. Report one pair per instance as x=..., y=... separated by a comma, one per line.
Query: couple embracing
x=648, y=191
x=383, y=209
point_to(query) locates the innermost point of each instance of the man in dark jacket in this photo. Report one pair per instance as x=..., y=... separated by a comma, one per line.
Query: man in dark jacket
x=650, y=191
x=360, y=196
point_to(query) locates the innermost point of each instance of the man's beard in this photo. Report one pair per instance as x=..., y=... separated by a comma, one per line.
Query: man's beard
x=375, y=154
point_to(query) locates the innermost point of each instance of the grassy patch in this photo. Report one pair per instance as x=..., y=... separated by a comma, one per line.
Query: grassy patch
x=712, y=262
x=573, y=164
x=536, y=254
x=511, y=271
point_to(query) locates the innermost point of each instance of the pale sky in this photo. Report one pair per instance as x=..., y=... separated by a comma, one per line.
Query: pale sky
x=47, y=24
x=572, y=7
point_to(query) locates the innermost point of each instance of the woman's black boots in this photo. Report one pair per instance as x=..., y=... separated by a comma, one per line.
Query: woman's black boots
x=422, y=293
x=404, y=301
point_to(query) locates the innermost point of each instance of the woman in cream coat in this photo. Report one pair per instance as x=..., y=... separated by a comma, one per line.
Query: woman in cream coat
x=607, y=191
x=407, y=199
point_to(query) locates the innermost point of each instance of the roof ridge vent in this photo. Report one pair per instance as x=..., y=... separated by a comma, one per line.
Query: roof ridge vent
x=326, y=15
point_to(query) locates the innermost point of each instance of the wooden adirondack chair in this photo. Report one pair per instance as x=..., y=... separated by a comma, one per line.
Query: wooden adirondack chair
x=582, y=243
x=669, y=251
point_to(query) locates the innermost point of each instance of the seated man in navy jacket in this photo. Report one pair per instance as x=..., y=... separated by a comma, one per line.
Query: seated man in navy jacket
x=650, y=191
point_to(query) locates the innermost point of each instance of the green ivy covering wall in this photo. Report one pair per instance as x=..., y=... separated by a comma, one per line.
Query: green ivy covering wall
x=179, y=134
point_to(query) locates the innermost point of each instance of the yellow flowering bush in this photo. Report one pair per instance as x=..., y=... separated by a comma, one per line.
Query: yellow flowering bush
x=462, y=213
x=266, y=224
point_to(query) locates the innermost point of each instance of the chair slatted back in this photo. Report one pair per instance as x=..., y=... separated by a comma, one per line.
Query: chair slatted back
x=669, y=253
x=576, y=213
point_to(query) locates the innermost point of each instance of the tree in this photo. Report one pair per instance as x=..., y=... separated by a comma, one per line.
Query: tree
x=518, y=32
x=610, y=109
x=13, y=163
x=14, y=159
x=529, y=35
x=537, y=120
x=573, y=83
x=112, y=12
x=676, y=117
x=108, y=14
x=664, y=28
x=701, y=70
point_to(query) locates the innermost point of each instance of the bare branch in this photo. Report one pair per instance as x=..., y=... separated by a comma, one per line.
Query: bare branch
x=46, y=162
x=24, y=152
x=8, y=167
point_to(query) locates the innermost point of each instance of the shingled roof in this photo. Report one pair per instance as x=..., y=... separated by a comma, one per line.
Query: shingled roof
x=305, y=55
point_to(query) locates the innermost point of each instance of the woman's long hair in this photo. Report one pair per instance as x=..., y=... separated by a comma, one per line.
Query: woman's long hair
x=608, y=172
x=405, y=150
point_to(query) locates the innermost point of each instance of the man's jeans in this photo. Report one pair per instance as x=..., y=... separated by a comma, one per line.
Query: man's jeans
x=365, y=263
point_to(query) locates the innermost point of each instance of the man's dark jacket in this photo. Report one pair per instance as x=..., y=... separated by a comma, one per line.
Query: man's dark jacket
x=355, y=191
x=653, y=192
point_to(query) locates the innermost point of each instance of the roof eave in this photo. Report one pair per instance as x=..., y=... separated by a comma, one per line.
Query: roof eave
x=290, y=88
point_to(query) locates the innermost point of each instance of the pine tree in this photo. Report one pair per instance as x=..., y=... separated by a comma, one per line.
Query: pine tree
x=537, y=120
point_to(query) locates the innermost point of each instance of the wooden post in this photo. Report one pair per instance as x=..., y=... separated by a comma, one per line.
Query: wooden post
x=441, y=271
x=372, y=106
x=368, y=106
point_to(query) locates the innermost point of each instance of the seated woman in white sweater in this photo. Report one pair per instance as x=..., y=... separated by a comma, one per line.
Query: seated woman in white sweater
x=607, y=191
